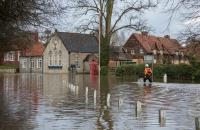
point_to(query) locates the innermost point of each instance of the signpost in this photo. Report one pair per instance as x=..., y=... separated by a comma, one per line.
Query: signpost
x=149, y=59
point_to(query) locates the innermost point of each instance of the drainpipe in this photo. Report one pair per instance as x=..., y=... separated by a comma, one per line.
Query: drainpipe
x=42, y=64
x=69, y=62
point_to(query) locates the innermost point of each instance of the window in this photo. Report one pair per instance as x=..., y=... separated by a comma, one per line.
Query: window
x=177, y=53
x=77, y=62
x=132, y=51
x=182, y=54
x=50, y=57
x=161, y=52
x=24, y=63
x=60, y=58
x=39, y=63
x=55, y=59
x=154, y=52
x=125, y=50
x=141, y=51
x=32, y=64
x=9, y=56
x=18, y=55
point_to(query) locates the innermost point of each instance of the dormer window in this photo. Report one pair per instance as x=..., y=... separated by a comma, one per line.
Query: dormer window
x=141, y=51
x=125, y=50
x=132, y=52
x=182, y=54
x=176, y=53
x=154, y=52
x=161, y=52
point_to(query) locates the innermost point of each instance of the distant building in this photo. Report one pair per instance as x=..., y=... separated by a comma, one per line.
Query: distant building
x=10, y=55
x=31, y=61
x=11, y=58
x=193, y=49
x=164, y=49
x=118, y=56
x=70, y=51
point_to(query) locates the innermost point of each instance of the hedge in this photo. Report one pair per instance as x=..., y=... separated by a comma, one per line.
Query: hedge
x=8, y=67
x=181, y=71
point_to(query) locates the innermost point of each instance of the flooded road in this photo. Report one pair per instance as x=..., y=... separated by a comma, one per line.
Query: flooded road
x=68, y=102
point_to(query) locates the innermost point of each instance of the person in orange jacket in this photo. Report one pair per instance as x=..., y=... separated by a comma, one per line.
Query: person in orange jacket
x=147, y=73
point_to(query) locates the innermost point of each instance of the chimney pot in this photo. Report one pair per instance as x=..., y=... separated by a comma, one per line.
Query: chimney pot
x=145, y=33
x=167, y=36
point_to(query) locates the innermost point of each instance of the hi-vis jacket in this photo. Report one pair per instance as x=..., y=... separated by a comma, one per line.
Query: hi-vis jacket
x=147, y=71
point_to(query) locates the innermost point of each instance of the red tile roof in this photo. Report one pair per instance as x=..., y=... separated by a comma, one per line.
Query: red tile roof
x=150, y=43
x=193, y=49
x=36, y=50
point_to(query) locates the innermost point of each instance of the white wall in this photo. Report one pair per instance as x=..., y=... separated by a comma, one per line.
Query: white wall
x=64, y=57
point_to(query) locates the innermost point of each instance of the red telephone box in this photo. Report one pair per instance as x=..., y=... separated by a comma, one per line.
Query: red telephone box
x=94, y=69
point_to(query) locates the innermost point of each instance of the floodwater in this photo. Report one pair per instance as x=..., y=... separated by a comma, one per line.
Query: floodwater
x=75, y=102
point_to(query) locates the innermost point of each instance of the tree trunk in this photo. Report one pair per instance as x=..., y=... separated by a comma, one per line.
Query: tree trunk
x=105, y=40
x=109, y=11
x=104, y=54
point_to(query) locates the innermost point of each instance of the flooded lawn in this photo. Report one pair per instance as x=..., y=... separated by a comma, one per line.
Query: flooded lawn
x=68, y=102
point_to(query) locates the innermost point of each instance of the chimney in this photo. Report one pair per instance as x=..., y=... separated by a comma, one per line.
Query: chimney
x=145, y=33
x=167, y=36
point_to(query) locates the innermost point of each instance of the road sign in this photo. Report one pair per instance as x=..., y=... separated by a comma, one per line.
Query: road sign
x=149, y=59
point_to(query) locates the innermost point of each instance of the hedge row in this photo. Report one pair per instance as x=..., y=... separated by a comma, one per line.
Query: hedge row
x=180, y=72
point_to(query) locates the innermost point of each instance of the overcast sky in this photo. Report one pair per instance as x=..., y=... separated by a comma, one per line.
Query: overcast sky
x=156, y=19
x=159, y=21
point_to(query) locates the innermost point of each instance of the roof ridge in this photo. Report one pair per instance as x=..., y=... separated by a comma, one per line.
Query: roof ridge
x=76, y=33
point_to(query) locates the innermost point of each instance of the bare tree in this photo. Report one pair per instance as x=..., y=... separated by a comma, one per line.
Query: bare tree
x=190, y=12
x=111, y=16
x=19, y=16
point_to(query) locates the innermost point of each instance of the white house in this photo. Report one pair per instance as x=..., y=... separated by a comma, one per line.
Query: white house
x=66, y=51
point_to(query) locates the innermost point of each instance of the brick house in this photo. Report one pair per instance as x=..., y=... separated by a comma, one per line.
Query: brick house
x=31, y=61
x=164, y=49
x=193, y=49
x=66, y=51
x=10, y=56
x=118, y=56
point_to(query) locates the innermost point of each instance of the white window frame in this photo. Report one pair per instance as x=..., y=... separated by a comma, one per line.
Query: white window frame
x=32, y=63
x=141, y=51
x=9, y=56
x=161, y=52
x=132, y=52
x=18, y=55
x=39, y=63
x=24, y=63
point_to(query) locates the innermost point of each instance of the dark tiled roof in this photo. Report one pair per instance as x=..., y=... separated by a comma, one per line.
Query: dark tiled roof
x=76, y=42
x=117, y=53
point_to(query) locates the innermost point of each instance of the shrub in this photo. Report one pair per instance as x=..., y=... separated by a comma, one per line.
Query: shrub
x=120, y=71
x=196, y=75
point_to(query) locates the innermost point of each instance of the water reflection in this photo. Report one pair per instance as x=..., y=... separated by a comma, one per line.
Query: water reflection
x=37, y=101
x=175, y=99
x=54, y=101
